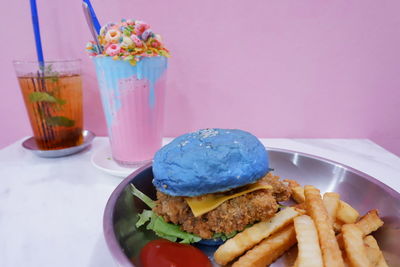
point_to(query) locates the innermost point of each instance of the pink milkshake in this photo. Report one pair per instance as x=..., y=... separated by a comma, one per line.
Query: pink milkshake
x=136, y=131
x=131, y=69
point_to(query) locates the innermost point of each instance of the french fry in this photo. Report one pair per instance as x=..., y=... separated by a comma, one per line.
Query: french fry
x=354, y=246
x=251, y=236
x=331, y=253
x=296, y=263
x=337, y=226
x=299, y=206
x=317, y=244
x=331, y=203
x=298, y=194
x=369, y=223
x=309, y=254
x=347, y=213
x=345, y=259
x=373, y=255
x=268, y=250
x=370, y=241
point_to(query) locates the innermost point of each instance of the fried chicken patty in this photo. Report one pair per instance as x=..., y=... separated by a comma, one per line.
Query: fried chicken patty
x=232, y=215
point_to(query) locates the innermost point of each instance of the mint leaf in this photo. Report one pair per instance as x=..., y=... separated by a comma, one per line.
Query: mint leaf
x=42, y=97
x=61, y=101
x=49, y=73
x=59, y=121
x=45, y=97
x=54, y=78
x=48, y=68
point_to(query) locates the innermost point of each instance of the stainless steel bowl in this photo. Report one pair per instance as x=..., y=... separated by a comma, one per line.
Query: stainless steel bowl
x=359, y=189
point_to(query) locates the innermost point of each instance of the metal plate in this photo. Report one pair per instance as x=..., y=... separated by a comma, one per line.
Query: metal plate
x=360, y=190
x=31, y=145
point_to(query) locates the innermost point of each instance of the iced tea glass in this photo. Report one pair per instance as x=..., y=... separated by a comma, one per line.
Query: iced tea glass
x=52, y=93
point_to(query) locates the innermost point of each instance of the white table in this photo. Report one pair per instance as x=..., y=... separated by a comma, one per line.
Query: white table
x=51, y=209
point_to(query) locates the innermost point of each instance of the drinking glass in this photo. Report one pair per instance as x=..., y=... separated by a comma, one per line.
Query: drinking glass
x=52, y=93
x=133, y=103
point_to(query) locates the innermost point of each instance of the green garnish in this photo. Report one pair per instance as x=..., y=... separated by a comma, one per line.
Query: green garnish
x=49, y=73
x=157, y=224
x=59, y=121
x=148, y=201
x=223, y=236
x=45, y=97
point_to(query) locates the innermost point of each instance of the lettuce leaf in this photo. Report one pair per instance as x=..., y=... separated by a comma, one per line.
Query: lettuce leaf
x=157, y=224
x=144, y=217
x=223, y=236
x=148, y=201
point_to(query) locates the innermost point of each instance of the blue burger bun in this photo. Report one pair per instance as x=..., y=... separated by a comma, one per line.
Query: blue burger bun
x=211, y=242
x=209, y=161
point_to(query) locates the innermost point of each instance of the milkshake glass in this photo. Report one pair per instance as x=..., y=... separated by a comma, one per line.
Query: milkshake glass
x=133, y=103
x=131, y=63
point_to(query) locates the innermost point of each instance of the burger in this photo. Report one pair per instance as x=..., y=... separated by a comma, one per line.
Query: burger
x=211, y=184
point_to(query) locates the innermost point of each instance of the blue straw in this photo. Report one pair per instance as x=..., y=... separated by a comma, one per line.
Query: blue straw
x=96, y=23
x=36, y=30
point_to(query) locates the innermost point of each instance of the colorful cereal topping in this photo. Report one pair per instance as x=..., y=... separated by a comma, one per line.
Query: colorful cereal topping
x=128, y=40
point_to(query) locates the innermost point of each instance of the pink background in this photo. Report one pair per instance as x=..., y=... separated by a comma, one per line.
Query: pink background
x=301, y=69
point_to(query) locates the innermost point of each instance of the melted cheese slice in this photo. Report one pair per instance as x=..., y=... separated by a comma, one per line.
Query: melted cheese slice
x=204, y=204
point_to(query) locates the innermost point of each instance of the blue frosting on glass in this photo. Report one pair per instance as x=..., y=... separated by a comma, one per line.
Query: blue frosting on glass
x=209, y=161
x=110, y=71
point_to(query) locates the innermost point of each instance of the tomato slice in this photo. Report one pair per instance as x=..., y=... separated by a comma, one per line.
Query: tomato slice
x=164, y=253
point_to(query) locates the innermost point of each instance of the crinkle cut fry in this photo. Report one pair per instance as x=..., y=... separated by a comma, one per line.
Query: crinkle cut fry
x=269, y=249
x=309, y=251
x=331, y=203
x=369, y=223
x=251, y=236
x=331, y=253
x=354, y=246
x=346, y=213
x=371, y=242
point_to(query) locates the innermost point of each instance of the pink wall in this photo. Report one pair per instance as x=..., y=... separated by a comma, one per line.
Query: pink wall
x=276, y=68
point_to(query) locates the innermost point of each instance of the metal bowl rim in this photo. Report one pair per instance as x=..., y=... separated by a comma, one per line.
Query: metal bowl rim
x=108, y=226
